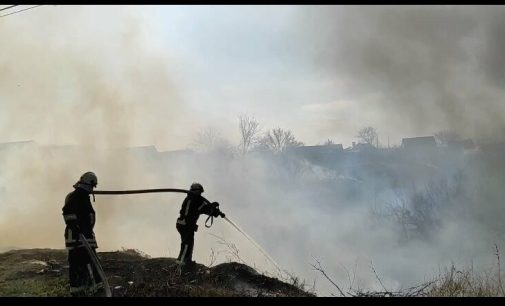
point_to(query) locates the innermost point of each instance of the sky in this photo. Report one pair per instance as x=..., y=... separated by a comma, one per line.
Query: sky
x=327, y=71
x=240, y=63
x=322, y=72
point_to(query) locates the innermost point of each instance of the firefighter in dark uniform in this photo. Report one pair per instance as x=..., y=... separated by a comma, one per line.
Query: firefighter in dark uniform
x=192, y=206
x=79, y=217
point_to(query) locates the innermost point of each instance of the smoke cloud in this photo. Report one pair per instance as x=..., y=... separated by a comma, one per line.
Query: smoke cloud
x=77, y=77
x=419, y=68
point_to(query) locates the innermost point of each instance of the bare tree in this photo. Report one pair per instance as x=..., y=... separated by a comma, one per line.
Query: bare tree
x=329, y=142
x=367, y=135
x=277, y=140
x=249, y=129
x=208, y=140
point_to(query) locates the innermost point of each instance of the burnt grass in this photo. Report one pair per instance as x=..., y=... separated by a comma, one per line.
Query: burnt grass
x=44, y=272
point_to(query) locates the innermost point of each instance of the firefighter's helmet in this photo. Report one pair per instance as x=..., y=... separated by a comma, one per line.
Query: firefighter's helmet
x=89, y=178
x=196, y=187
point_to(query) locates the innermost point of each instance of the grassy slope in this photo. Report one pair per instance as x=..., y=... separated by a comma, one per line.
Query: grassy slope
x=44, y=272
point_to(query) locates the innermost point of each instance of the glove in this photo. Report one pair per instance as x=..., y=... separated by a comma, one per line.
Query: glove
x=216, y=212
x=214, y=209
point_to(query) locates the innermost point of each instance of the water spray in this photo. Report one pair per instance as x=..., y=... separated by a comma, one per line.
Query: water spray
x=254, y=243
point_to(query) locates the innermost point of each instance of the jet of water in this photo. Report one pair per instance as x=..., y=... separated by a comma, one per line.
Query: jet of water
x=254, y=243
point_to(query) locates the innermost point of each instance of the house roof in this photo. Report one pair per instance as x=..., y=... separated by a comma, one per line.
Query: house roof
x=16, y=144
x=361, y=147
x=466, y=144
x=425, y=141
x=493, y=147
x=318, y=148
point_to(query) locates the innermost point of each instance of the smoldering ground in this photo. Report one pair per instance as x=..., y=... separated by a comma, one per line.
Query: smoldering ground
x=103, y=88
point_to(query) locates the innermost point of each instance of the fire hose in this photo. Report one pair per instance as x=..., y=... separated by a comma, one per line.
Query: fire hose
x=214, y=205
x=96, y=263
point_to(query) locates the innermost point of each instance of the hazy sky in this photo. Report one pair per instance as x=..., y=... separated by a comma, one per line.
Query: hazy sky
x=244, y=61
x=322, y=72
x=326, y=71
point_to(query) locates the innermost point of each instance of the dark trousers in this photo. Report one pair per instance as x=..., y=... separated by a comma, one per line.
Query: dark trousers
x=187, y=242
x=82, y=274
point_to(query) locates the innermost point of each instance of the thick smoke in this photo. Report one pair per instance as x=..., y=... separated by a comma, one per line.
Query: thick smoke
x=419, y=69
x=77, y=76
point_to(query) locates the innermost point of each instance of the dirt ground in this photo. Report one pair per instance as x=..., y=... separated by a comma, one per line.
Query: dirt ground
x=44, y=272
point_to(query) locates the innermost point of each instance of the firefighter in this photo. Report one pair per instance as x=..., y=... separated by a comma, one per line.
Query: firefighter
x=79, y=217
x=192, y=206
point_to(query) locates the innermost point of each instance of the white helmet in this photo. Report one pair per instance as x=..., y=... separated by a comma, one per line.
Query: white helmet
x=89, y=178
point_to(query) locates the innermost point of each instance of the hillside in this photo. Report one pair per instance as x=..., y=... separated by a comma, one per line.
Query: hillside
x=44, y=272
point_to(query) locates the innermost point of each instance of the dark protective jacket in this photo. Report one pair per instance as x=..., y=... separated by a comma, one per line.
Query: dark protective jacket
x=192, y=206
x=79, y=217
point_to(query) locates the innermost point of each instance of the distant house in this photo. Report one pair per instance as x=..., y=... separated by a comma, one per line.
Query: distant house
x=466, y=144
x=17, y=144
x=317, y=153
x=419, y=143
x=361, y=147
x=493, y=149
x=176, y=153
x=143, y=152
x=58, y=150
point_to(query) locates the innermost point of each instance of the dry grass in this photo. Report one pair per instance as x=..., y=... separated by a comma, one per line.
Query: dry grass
x=451, y=282
x=469, y=283
x=466, y=283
